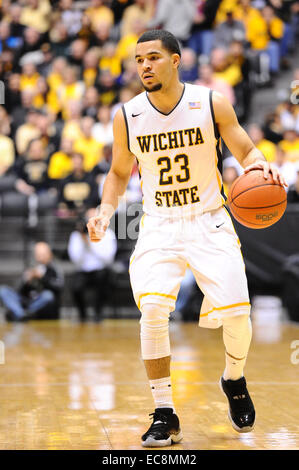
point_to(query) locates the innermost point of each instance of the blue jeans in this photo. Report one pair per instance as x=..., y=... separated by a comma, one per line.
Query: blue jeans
x=13, y=301
x=273, y=51
x=202, y=42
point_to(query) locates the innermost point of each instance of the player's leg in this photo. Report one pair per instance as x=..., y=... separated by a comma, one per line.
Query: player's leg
x=237, y=334
x=220, y=272
x=155, y=351
x=156, y=272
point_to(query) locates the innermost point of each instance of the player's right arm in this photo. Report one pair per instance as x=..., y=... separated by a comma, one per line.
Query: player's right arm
x=116, y=181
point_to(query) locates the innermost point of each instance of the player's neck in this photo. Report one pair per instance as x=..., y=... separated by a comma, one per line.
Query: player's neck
x=166, y=99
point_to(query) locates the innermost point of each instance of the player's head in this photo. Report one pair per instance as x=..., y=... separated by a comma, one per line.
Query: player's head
x=158, y=58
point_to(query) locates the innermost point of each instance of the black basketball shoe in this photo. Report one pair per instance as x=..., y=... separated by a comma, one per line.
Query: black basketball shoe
x=241, y=410
x=165, y=429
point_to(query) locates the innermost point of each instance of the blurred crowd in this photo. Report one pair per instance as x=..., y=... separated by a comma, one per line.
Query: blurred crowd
x=68, y=65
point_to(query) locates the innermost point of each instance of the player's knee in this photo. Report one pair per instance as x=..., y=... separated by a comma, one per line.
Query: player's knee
x=237, y=326
x=154, y=318
x=154, y=332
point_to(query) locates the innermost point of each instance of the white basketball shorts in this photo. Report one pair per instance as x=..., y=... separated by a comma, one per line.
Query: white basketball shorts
x=209, y=246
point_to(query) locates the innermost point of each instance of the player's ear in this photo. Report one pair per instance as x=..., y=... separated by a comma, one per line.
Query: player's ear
x=176, y=60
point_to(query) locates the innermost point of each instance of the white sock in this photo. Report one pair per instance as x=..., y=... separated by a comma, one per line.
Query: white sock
x=237, y=334
x=162, y=392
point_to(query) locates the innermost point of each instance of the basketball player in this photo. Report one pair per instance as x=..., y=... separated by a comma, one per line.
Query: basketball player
x=174, y=129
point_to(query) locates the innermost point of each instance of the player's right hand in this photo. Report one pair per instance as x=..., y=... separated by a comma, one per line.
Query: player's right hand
x=97, y=227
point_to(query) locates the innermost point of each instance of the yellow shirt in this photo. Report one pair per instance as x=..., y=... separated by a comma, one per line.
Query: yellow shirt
x=133, y=13
x=112, y=64
x=257, y=31
x=89, y=77
x=71, y=130
x=268, y=149
x=91, y=149
x=231, y=75
x=291, y=149
x=126, y=47
x=225, y=5
x=66, y=93
x=60, y=165
x=54, y=80
x=38, y=18
x=28, y=82
x=99, y=15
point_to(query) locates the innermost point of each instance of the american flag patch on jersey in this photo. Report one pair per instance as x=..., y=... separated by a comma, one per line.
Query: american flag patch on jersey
x=194, y=105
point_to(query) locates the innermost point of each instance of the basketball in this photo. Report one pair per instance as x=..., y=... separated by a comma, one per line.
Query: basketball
x=257, y=202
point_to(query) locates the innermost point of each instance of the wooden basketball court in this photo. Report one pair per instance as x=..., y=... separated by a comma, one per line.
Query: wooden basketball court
x=66, y=385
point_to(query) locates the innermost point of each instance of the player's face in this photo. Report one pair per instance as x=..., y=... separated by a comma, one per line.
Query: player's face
x=155, y=65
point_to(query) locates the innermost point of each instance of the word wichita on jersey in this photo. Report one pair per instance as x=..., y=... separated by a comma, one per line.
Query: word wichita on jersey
x=168, y=141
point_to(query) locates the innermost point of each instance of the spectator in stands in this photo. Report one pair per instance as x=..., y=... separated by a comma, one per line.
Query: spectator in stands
x=188, y=66
x=126, y=93
x=293, y=192
x=27, y=131
x=91, y=102
x=38, y=295
x=59, y=39
x=242, y=89
x=108, y=87
x=142, y=10
x=230, y=30
x=36, y=14
x=78, y=191
x=72, y=126
x=70, y=16
x=127, y=44
x=290, y=144
x=102, y=131
x=87, y=145
x=12, y=93
x=60, y=163
x=175, y=16
x=231, y=73
x=92, y=261
x=31, y=169
x=111, y=59
x=32, y=41
x=267, y=147
x=77, y=52
x=129, y=77
x=289, y=115
x=207, y=78
x=7, y=151
x=98, y=14
x=91, y=66
x=19, y=114
x=202, y=34
x=272, y=127
x=17, y=29
x=71, y=90
x=264, y=32
x=286, y=168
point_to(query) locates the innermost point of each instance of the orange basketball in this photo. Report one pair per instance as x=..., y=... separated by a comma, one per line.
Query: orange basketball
x=257, y=202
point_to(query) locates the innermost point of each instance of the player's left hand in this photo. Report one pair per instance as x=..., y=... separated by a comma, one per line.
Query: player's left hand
x=267, y=168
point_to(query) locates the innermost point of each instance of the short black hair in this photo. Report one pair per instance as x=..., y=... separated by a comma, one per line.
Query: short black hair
x=168, y=40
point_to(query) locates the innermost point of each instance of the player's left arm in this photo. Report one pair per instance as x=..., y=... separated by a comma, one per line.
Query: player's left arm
x=239, y=142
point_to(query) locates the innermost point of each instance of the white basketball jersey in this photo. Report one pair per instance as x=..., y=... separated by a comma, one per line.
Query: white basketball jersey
x=178, y=153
